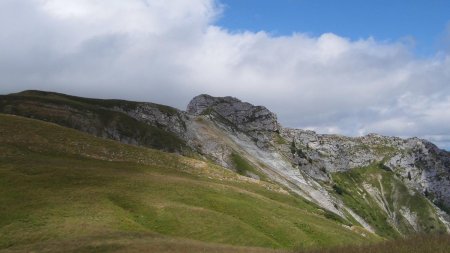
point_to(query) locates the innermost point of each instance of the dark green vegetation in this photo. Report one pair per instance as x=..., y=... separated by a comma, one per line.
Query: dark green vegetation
x=244, y=167
x=103, y=118
x=381, y=199
x=63, y=190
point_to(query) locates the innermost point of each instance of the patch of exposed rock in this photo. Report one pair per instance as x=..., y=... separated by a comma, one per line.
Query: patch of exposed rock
x=426, y=168
x=420, y=164
x=167, y=118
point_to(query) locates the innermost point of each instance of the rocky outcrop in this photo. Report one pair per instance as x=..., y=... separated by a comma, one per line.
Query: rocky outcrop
x=426, y=168
x=167, y=118
x=244, y=116
x=419, y=163
x=256, y=121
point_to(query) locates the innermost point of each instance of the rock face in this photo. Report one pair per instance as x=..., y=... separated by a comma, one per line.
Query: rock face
x=419, y=163
x=167, y=118
x=255, y=121
x=425, y=168
x=245, y=117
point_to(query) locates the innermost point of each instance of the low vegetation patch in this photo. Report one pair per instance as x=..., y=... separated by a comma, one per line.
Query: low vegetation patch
x=243, y=166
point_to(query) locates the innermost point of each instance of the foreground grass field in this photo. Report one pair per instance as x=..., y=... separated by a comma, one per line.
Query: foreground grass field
x=62, y=190
x=134, y=242
x=415, y=244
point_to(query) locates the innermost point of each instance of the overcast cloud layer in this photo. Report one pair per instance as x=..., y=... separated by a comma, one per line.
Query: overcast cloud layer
x=169, y=51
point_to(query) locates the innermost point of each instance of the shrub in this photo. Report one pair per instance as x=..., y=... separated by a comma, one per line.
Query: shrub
x=338, y=189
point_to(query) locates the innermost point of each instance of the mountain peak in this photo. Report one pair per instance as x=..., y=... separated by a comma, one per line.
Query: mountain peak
x=243, y=115
x=203, y=102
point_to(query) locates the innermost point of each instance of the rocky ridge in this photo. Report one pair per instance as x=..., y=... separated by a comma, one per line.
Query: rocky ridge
x=304, y=161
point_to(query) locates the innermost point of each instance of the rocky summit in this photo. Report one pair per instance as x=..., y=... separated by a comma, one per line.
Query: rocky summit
x=387, y=185
x=244, y=116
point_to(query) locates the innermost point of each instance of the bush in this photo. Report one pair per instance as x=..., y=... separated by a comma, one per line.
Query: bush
x=338, y=189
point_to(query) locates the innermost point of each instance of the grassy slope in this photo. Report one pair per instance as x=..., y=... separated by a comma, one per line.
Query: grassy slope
x=59, y=185
x=350, y=187
x=94, y=116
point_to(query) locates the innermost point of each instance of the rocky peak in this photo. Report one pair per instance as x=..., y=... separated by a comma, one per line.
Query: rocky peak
x=201, y=103
x=242, y=115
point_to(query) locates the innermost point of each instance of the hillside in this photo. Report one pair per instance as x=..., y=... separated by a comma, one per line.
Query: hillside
x=103, y=118
x=383, y=187
x=60, y=187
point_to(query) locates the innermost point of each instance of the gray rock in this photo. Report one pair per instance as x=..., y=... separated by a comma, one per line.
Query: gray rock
x=164, y=117
x=243, y=116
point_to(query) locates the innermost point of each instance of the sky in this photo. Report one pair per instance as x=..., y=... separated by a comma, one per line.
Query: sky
x=420, y=22
x=338, y=67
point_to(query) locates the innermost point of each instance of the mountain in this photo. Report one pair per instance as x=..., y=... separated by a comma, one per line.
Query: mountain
x=390, y=186
x=66, y=191
x=372, y=186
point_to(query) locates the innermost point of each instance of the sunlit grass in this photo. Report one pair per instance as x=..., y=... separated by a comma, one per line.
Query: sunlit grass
x=414, y=244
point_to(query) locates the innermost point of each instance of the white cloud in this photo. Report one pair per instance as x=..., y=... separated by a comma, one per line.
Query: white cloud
x=169, y=51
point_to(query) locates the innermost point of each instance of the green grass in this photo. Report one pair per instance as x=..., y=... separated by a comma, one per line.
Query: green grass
x=349, y=186
x=105, y=103
x=134, y=242
x=414, y=244
x=279, y=140
x=59, y=186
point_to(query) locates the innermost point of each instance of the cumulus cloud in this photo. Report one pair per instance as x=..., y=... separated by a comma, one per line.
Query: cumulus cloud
x=169, y=51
